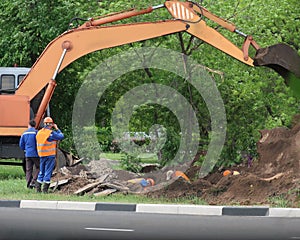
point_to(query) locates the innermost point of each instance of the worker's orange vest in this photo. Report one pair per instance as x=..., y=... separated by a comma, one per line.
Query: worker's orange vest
x=44, y=147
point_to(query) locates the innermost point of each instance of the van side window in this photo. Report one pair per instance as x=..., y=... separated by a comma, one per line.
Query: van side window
x=20, y=78
x=7, y=82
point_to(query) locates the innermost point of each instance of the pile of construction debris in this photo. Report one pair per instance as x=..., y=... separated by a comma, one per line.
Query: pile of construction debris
x=99, y=178
x=274, y=175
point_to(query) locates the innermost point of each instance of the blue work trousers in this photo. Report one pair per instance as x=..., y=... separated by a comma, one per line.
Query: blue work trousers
x=47, y=165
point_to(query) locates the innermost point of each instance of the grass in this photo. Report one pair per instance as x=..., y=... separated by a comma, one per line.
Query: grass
x=10, y=172
x=280, y=201
x=112, y=156
x=145, y=157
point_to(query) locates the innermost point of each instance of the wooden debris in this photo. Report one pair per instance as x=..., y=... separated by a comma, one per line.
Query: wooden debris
x=117, y=186
x=278, y=175
x=58, y=183
x=91, y=185
x=105, y=192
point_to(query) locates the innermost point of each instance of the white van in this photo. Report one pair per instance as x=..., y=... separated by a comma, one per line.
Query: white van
x=10, y=78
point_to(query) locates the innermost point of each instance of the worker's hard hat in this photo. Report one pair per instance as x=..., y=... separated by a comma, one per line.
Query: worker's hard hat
x=48, y=120
x=226, y=173
x=150, y=181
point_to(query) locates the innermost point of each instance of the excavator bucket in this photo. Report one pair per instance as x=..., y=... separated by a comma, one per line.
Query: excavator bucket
x=283, y=59
x=65, y=158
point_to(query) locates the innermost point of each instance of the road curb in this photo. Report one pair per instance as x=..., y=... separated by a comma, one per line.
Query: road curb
x=155, y=208
x=115, y=207
x=12, y=203
x=245, y=211
x=179, y=209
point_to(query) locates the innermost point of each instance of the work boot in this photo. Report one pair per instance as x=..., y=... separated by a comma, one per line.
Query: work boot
x=31, y=185
x=38, y=187
x=46, y=187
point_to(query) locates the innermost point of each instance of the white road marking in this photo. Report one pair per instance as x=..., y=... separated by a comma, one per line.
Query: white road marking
x=295, y=237
x=110, y=229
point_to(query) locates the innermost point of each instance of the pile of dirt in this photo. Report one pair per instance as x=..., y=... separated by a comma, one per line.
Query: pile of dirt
x=273, y=176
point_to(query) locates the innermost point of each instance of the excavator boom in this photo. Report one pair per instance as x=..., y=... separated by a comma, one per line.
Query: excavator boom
x=82, y=41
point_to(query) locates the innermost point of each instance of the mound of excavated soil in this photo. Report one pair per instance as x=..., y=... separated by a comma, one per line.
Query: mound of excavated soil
x=275, y=175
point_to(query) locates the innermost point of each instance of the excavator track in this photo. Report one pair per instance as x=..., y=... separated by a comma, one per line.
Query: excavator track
x=282, y=58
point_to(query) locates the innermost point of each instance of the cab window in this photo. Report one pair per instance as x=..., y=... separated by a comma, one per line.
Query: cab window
x=20, y=78
x=7, y=82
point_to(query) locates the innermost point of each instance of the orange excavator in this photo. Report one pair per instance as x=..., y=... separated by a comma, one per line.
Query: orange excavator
x=35, y=91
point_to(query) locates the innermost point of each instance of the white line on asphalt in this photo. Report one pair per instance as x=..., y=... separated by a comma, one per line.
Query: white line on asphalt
x=295, y=237
x=110, y=229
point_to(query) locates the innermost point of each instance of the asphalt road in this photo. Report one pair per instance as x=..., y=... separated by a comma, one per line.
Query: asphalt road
x=42, y=224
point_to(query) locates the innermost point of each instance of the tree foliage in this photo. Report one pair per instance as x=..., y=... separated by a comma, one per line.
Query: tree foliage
x=254, y=98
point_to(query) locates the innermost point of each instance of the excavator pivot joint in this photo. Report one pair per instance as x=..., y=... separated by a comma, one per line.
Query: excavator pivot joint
x=67, y=45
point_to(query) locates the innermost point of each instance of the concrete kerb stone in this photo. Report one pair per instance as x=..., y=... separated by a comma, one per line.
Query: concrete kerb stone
x=284, y=212
x=38, y=204
x=62, y=205
x=179, y=209
x=200, y=210
x=86, y=206
x=245, y=211
x=115, y=207
x=10, y=203
x=155, y=208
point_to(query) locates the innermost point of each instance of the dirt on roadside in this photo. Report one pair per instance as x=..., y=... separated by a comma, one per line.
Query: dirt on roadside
x=274, y=175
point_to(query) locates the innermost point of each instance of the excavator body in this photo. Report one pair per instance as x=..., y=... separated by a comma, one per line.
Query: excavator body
x=33, y=94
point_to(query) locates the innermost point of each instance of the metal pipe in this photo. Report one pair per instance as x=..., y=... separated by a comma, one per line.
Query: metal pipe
x=120, y=16
x=116, y=17
x=158, y=6
x=240, y=33
x=48, y=111
x=44, y=105
x=60, y=62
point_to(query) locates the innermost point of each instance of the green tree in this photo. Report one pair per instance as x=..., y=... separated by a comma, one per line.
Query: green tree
x=254, y=98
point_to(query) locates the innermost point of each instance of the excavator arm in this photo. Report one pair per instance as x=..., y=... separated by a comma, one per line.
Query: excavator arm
x=99, y=33
x=95, y=35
